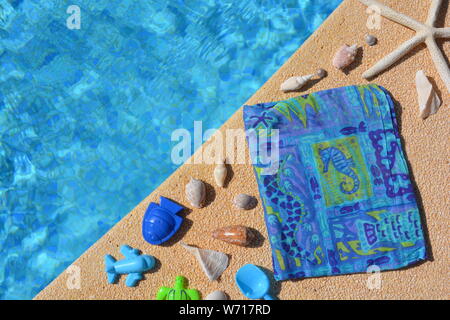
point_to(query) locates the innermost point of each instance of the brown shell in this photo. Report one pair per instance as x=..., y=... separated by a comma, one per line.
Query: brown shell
x=238, y=235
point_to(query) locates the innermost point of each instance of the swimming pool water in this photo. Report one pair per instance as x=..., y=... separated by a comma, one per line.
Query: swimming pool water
x=86, y=115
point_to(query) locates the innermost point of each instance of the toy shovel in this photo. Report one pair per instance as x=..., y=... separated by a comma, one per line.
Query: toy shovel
x=253, y=282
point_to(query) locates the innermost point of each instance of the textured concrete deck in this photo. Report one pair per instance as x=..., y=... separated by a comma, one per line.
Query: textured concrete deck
x=426, y=144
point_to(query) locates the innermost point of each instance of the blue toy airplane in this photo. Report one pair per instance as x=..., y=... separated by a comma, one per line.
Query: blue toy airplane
x=134, y=265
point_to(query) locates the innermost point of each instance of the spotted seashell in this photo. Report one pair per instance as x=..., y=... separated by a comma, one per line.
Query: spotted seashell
x=238, y=235
x=345, y=56
x=196, y=193
x=244, y=201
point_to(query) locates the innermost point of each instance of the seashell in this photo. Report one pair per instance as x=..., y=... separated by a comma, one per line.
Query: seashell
x=295, y=83
x=429, y=101
x=238, y=235
x=321, y=73
x=217, y=295
x=244, y=201
x=370, y=39
x=220, y=174
x=213, y=263
x=196, y=193
x=345, y=56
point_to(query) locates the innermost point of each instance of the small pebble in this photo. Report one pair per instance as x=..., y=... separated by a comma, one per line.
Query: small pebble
x=321, y=73
x=370, y=39
x=245, y=202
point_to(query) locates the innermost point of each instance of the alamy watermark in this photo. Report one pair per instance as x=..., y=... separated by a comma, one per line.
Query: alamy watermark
x=374, y=20
x=73, y=281
x=229, y=144
x=374, y=281
x=73, y=22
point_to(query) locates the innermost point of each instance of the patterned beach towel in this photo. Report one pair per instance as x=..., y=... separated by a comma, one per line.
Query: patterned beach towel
x=340, y=199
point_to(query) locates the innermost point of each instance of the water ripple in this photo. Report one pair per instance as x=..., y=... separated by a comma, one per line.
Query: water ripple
x=86, y=115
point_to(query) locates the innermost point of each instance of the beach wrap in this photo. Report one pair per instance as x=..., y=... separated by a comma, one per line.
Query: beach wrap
x=339, y=198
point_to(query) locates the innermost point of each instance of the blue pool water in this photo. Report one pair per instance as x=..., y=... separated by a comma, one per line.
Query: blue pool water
x=86, y=115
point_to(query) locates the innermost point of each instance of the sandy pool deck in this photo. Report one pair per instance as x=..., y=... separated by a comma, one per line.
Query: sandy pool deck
x=425, y=143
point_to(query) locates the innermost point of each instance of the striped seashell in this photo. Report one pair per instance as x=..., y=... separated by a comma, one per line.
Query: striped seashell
x=196, y=193
x=237, y=235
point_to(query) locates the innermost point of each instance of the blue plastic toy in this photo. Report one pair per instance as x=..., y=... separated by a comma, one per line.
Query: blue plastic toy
x=253, y=282
x=161, y=221
x=134, y=265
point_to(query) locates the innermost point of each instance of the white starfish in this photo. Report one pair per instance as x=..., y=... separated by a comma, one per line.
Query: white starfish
x=425, y=32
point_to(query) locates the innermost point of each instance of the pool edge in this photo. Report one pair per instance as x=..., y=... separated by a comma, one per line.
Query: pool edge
x=300, y=62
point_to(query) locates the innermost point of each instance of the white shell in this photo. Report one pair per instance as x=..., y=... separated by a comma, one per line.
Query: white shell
x=217, y=295
x=429, y=101
x=295, y=83
x=213, y=263
x=196, y=193
x=220, y=174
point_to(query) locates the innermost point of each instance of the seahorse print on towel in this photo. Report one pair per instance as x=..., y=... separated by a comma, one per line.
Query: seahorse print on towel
x=341, y=164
